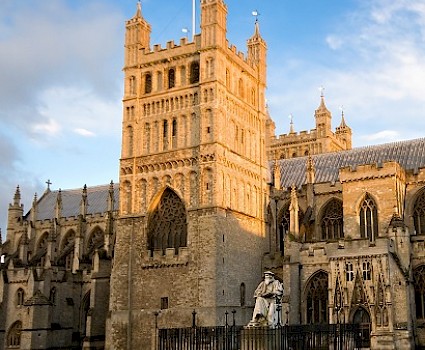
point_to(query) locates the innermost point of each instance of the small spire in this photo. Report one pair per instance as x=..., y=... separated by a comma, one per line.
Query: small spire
x=291, y=124
x=139, y=10
x=17, y=197
x=343, y=124
x=34, y=202
x=110, y=202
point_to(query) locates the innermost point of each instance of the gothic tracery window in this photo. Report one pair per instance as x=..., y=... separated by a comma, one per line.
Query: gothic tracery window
x=368, y=219
x=167, y=226
x=332, y=220
x=419, y=283
x=419, y=214
x=317, y=299
x=14, y=335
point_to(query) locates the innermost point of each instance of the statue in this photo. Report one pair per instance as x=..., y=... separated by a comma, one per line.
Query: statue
x=267, y=297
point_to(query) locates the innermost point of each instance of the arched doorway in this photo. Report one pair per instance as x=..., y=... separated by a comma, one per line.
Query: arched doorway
x=362, y=318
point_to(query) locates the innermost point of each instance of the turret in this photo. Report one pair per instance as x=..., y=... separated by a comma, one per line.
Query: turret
x=323, y=119
x=257, y=52
x=137, y=37
x=213, y=23
x=343, y=132
x=14, y=214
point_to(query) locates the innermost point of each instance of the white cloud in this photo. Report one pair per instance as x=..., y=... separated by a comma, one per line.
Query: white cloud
x=48, y=128
x=334, y=42
x=84, y=132
x=382, y=136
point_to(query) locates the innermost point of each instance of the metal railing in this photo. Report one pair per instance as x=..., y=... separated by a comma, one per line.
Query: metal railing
x=298, y=337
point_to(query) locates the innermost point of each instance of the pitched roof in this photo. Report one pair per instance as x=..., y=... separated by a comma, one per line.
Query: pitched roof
x=97, y=200
x=409, y=154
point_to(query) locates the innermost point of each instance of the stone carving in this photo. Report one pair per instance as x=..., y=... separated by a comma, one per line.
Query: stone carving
x=268, y=296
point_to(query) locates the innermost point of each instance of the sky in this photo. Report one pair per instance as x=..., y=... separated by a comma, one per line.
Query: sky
x=61, y=80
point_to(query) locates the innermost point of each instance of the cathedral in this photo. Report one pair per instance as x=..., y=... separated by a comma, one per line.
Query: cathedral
x=208, y=199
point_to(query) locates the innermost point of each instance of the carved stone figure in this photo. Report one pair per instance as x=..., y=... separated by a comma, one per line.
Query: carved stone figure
x=267, y=296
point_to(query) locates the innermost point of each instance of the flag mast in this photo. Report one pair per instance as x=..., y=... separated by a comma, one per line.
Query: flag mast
x=193, y=19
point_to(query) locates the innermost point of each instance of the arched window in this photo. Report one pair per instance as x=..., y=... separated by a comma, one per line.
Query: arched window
x=241, y=89
x=14, y=335
x=243, y=294
x=52, y=296
x=85, y=309
x=96, y=241
x=332, y=220
x=183, y=75
x=284, y=224
x=194, y=72
x=132, y=85
x=130, y=141
x=317, y=299
x=368, y=219
x=148, y=83
x=419, y=214
x=171, y=78
x=419, y=283
x=362, y=318
x=39, y=257
x=127, y=202
x=174, y=133
x=227, y=79
x=165, y=134
x=66, y=256
x=20, y=297
x=167, y=226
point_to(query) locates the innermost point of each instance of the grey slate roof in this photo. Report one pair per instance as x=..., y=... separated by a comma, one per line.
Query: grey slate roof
x=409, y=154
x=97, y=200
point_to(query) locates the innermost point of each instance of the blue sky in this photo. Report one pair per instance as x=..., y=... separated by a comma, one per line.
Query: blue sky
x=61, y=78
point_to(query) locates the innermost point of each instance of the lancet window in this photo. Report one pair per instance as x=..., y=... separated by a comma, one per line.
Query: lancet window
x=194, y=73
x=171, y=78
x=317, y=299
x=419, y=283
x=368, y=219
x=148, y=83
x=14, y=335
x=67, y=252
x=20, y=297
x=419, y=214
x=167, y=227
x=332, y=221
x=96, y=241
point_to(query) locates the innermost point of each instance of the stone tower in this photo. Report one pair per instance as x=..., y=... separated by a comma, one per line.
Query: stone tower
x=193, y=181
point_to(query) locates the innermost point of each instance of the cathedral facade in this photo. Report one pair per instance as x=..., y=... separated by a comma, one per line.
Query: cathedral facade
x=209, y=198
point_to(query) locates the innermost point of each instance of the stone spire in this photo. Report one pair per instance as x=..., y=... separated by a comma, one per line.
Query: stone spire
x=139, y=10
x=277, y=175
x=311, y=171
x=58, y=206
x=111, y=199
x=323, y=118
x=83, y=203
x=293, y=213
x=17, y=198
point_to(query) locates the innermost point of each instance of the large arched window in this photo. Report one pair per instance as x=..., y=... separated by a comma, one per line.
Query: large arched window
x=419, y=283
x=167, y=226
x=14, y=335
x=317, y=299
x=368, y=218
x=419, y=214
x=332, y=220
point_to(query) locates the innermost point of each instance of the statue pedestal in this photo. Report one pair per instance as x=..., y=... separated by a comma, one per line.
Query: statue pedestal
x=262, y=338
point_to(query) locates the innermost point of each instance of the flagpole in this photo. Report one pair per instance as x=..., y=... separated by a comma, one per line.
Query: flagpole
x=193, y=20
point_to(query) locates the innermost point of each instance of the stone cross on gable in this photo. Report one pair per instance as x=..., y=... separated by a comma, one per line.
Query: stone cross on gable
x=48, y=184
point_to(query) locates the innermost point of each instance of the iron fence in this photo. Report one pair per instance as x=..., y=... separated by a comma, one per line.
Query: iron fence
x=298, y=337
